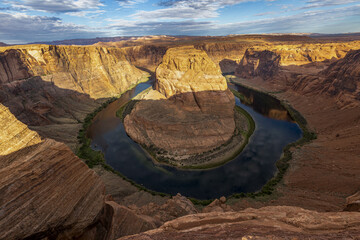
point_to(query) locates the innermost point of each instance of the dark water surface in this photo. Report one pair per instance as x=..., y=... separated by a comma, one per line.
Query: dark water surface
x=248, y=172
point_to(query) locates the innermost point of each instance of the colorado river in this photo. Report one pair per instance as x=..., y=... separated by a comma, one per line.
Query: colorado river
x=248, y=172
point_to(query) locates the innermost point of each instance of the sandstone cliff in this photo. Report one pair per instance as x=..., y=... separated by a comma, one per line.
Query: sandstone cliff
x=186, y=69
x=146, y=56
x=198, y=115
x=264, y=64
x=14, y=134
x=46, y=191
x=56, y=86
x=185, y=124
x=97, y=71
x=265, y=223
x=341, y=80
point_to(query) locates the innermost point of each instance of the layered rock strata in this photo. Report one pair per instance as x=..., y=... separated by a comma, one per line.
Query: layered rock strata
x=97, y=71
x=264, y=64
x=53, y=88
x=46, y=191
x=197, y=116
x=14, y=134
x=186, y=69
x=340, y=80
x=184, y=124
x=265, y=223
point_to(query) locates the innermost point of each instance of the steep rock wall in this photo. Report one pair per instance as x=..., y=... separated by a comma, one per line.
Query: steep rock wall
x=14, y=135
x=186, y=69
x=97, y=71
x=46, y=191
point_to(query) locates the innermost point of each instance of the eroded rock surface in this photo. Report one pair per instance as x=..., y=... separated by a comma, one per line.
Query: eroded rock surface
x=198, y=115
x=14, y=135
x=264, y=223
x=184, y=124
x=97, y=71
x=353, y=203
x=53, y=88
x=186, y=69
x=47, y=191
x=340, y=80
x=264, y=64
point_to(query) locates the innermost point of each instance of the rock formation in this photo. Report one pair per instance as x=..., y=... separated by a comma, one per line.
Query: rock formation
x=57, y=86
x=264, y=64
x=265, y=223
x=185, y=124
x=353, y=203
x=96, y=71
x=147, y=56
x=341, y=80
x=14, y=134
x=47, y=191
x=186, y=69
x=198, y=115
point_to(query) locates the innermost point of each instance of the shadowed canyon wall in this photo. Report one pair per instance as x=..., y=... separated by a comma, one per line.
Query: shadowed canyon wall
x=55, y=87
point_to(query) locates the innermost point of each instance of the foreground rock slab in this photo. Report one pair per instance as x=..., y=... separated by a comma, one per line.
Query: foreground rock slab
x=46, y=191
x=264, y=223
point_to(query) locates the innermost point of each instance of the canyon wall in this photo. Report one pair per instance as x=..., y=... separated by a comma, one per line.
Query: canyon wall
x=45, y=189
x=14, y=134
x=340, y=80
x=146, y=56
x=97, y=71
x=53, y=88
x=186, y=69
x=264, y=64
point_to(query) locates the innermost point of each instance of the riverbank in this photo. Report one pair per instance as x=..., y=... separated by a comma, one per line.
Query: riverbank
x=321, y=173
x=244, y=127
x=284, y=162
x=243, y=195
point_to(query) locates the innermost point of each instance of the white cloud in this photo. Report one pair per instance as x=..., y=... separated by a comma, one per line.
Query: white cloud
x=57, y=6
x=327, y=3
x=20, y=28
x=310, y=21
x=187, y=9
x=87, y=14
x=130, y=3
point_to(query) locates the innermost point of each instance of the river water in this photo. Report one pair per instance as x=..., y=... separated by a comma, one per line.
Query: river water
x=248, y=172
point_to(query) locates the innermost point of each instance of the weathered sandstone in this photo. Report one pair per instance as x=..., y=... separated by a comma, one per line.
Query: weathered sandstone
x=340, y=80
x=264, y=223
x=55, y=87
x=264, y=64
x=14, y=135
x=353, y=203
x=186, y=69
x=197, y=117
x=97, y=71
x=184, y=124
x=46, y=191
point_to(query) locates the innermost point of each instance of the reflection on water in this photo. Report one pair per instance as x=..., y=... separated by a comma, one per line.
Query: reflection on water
x=248, y=172
x=262, y=103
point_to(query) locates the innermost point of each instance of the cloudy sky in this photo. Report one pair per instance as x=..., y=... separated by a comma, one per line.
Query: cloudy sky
x=24, y=21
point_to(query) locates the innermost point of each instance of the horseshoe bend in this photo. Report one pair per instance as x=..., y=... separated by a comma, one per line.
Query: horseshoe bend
x=181, y=137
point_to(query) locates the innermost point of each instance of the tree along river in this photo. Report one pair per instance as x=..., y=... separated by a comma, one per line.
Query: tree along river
x=248, y=172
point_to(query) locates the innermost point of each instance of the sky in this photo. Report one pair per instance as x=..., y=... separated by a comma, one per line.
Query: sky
x=26, y=21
